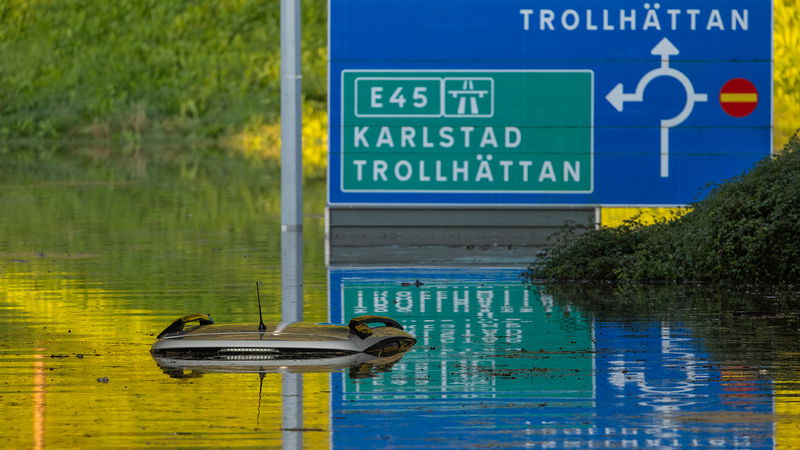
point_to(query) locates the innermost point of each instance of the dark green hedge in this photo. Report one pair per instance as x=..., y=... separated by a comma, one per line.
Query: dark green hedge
x=747, y=230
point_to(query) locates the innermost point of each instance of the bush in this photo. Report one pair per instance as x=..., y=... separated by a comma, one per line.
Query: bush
x=746, y=231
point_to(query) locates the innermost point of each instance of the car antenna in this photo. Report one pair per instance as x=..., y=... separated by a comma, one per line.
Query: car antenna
x=261, y=326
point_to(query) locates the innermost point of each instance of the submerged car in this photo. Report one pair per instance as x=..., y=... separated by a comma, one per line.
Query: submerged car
x=297, y=341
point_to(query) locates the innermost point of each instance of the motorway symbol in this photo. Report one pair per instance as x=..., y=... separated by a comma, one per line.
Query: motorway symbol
x=738, y=97
x=468, y=97
x=617, y=97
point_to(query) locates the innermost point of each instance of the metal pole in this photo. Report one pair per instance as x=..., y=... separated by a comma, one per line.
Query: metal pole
x=291, y=165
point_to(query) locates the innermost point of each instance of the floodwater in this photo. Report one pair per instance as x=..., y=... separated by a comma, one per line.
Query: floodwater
x=100, y=250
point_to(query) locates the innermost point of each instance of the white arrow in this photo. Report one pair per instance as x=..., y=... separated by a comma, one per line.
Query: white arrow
x=665, y=49
x=617, y=96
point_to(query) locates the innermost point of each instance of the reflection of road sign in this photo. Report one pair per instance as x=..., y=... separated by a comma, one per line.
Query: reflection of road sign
x=738, y=97
x=499, y=364
x=664, y=371
x=469, y=314
x=486, y=344
x=665, y=145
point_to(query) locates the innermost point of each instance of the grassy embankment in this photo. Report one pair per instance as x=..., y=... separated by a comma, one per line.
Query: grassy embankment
x=747, y=231
x=150, y=71
x=134, y=72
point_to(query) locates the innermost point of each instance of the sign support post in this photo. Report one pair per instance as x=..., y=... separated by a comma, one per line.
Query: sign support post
x=291, y=165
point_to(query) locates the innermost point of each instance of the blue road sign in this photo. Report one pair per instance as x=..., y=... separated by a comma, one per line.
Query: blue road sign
x=568, y=102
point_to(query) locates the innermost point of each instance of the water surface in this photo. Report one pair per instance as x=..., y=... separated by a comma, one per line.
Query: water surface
x=100, y=250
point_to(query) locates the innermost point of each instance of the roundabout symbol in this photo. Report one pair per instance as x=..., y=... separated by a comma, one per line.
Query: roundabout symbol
x=617, y=97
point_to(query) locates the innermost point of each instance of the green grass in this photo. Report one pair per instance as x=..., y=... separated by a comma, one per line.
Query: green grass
x=747, y=231
x=127, y=69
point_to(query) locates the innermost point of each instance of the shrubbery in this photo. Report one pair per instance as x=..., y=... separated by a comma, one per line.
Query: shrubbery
x=746, y=231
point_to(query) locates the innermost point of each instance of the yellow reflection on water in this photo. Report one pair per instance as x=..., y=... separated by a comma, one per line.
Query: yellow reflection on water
x=787, y=405
x=787, y=426
x=316, y=412
x=78, y=373
x=38, y=401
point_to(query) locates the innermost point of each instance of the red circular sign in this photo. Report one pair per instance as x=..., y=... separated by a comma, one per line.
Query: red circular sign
x=738, y=97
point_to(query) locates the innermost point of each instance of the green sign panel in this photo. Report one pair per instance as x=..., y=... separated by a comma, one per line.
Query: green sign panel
x=467, y=131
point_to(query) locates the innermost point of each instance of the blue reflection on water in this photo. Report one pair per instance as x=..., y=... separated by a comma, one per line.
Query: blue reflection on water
x=657, y=386
x=500, y=363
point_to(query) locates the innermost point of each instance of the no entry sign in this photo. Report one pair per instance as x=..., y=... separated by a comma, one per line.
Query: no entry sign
x=545, y=102
x=738, y=97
